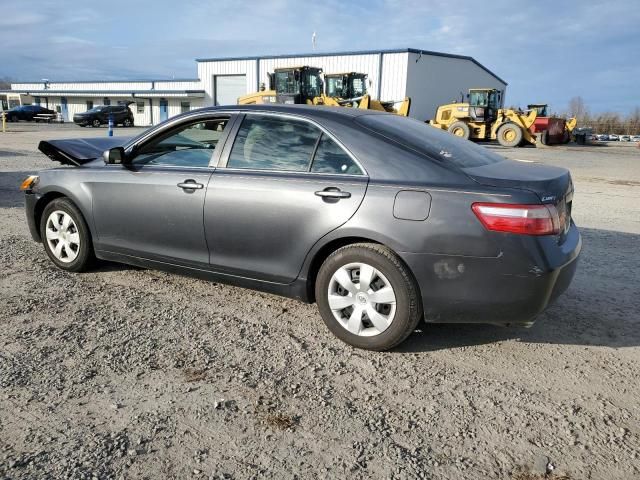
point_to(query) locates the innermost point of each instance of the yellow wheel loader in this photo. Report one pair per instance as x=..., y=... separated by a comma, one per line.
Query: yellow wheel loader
x=295, y=85
x=304, y=85
x=481, y=118
x=350, y=89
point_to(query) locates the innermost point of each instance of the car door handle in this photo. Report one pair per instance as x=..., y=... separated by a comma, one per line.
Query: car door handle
x=190, y=185
x=333, y=193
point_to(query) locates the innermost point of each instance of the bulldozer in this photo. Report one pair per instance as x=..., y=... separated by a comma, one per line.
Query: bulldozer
x=482, y=118
x=304, y=85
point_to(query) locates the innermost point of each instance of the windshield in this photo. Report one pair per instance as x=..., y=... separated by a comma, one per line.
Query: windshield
x=430, y=141
x=312, y=84
x=335, y=87
x=287, y=83
x=358, y=86
x=479, y=98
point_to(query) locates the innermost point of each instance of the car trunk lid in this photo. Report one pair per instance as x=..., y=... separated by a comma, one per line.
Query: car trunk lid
x=79, y=151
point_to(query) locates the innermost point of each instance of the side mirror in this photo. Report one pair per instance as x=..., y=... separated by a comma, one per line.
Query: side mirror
x=114, y=156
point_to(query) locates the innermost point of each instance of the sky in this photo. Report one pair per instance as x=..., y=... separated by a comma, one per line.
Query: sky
x=548, y=51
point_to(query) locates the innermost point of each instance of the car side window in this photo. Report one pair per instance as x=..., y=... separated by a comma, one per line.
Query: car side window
x=266, y=142
x=331, y=158
x=190, y=146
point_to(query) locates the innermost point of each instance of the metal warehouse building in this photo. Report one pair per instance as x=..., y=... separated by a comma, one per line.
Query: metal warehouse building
x=429, y=78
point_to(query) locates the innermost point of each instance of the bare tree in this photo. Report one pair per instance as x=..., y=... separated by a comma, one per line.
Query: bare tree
x=578, y=109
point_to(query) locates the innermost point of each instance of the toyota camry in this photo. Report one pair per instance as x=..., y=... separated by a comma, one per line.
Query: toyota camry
x=381, y=220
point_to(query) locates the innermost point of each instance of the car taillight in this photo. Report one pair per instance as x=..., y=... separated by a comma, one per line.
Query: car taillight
x=516, y=218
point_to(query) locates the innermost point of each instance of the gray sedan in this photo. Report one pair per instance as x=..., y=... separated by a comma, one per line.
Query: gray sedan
x=381, y=220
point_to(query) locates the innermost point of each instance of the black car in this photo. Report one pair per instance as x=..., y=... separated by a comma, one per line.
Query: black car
x=382, y=220
x=122, y=115
x=26, y=112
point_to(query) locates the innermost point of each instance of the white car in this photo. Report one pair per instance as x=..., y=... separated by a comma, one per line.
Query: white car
x=625, y=138
x=603, y=137
x=635, y=138
x=613, y=137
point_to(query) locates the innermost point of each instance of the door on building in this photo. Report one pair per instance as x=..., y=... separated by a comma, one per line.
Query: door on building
x=227, y=89
x=65, y=109
x=164, y=109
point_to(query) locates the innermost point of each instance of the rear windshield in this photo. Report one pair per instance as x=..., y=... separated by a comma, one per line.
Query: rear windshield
x=433, y=142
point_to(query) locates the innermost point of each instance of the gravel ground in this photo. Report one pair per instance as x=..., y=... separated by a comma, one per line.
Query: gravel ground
x=128, y=373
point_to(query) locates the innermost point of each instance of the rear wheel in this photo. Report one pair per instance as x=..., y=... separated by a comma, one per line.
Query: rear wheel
x=460, y=129
x=65, y=236
x=367, y=296
x=95, y=123
x=127, y=122
x=509, y=135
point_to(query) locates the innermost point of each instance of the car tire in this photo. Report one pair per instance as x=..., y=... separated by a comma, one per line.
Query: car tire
x=509, y=135
x=395, y=320
x=460, y=129
x=62, y=224
x=127, y=123
x=95, y=123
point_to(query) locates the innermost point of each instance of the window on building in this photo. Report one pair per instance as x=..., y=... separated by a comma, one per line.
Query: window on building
x=271, y=143
x=106, y=101
x=331, y=158
x=140, y=107
x=185, y=107
x=89, y=104
x=37, y=100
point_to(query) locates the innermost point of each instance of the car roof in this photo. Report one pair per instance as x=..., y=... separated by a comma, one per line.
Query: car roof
x=336, y=113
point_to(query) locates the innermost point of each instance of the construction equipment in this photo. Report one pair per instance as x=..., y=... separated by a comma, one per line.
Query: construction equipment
x=304, y=85
x=350, y=89
x=549, y=129
x=481, y=118
x=299, y=85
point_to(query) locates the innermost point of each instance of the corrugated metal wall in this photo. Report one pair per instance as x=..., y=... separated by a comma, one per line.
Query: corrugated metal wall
x=437, y=80
x=393, y=78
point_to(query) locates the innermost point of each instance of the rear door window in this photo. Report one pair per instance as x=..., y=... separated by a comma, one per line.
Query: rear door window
x=331, y=158
x=267, y=142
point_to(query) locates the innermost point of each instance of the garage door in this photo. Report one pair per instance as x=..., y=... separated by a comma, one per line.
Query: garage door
x=228, y=88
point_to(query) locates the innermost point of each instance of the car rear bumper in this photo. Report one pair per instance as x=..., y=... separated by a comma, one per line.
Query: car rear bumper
x=512, y=288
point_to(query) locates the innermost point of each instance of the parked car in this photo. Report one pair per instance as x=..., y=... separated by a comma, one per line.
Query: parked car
x=603, y=137
x=625, y=138
x=26, y=112
x=122, y=115
x=381, y=220
x=635, y=138
x=613, y=137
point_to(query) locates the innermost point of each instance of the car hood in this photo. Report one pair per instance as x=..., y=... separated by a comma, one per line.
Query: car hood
x=78, y=151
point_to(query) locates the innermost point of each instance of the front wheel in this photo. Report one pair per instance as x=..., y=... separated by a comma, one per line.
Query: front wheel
x=509, y=135
x=368, y=297
x=65, y=236
x=96, y=123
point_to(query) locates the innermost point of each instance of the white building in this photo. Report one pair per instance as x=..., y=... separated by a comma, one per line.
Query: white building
x=429, y=78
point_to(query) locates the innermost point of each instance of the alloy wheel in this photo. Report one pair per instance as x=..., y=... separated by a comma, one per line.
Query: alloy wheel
x=362, y=299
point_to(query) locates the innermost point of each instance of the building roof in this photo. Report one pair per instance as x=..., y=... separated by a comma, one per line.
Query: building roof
x=355, y=52
x=109, y=93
